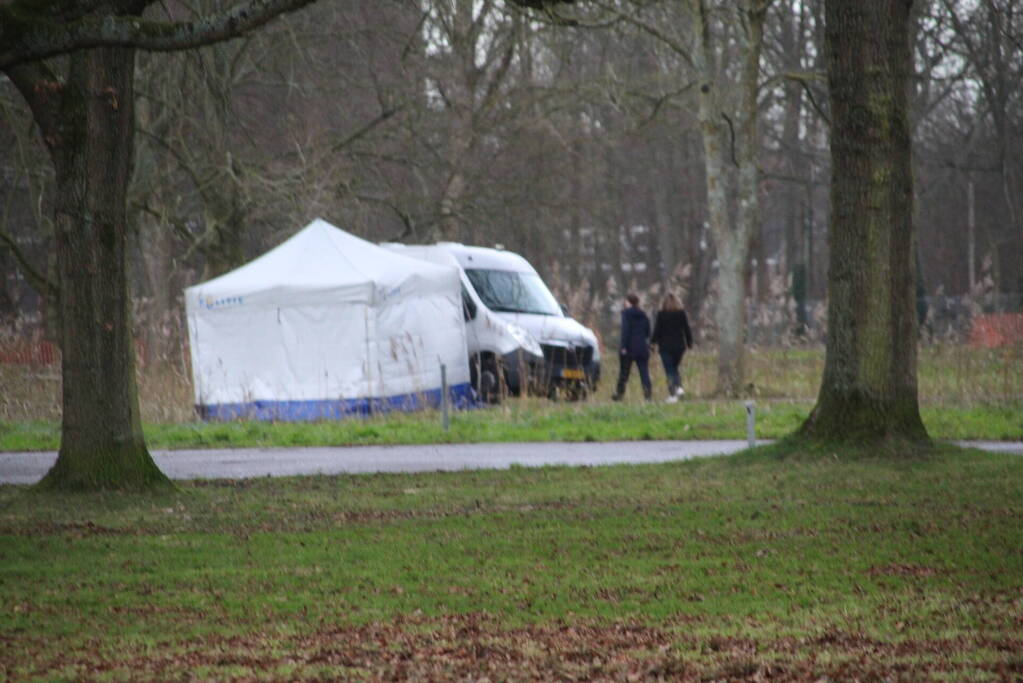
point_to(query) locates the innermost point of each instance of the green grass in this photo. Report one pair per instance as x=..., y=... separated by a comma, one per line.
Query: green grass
x=530, y=420
x=820, y=564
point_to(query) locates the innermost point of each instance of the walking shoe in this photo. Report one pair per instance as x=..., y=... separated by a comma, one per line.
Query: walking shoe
x=679, y=391
x=671, y=399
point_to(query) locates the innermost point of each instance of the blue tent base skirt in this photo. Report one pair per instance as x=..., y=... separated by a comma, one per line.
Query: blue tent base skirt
x=461, y=397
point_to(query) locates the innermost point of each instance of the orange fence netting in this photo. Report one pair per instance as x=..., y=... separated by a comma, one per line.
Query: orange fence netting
x=996, y=329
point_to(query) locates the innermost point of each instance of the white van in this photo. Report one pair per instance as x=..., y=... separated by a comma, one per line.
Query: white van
x=505, y=297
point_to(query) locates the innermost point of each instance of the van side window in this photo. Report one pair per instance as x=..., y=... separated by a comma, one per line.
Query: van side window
x=468, y=306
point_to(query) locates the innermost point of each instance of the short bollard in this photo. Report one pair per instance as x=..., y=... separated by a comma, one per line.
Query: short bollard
x=444, y=396
x=751, y=423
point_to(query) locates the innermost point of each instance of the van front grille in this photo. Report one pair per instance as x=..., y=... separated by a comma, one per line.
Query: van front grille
x=567, y=356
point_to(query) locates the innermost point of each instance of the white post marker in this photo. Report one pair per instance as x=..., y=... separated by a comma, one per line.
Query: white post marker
x=444, y=396
x=751, y=423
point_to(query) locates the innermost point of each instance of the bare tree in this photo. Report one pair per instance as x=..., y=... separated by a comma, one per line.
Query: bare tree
x=989, y=36
x=731, y=141
x=721, y=44
x=470, y=48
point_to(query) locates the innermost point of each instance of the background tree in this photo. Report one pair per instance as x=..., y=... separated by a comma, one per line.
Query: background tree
x=969, y=132
x=731, y=156
x=721, y=44
x=869, y=389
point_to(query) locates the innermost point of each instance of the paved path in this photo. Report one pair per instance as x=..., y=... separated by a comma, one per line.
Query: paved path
x=241, y=463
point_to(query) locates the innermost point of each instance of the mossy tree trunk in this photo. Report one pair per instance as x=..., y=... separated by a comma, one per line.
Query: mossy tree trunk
x=91, y=146
x=869, y=389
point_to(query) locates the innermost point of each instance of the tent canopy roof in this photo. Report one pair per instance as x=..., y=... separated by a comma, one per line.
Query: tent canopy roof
x=321, y=257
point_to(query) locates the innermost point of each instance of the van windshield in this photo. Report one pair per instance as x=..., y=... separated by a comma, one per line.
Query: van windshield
x=506, y=291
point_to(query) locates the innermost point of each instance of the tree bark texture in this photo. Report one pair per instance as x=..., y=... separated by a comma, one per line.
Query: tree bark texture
x=102, y=445
x=869, y=389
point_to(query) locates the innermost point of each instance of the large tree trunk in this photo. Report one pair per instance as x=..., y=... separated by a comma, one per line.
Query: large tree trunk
x=102, y=445
x=869, y=389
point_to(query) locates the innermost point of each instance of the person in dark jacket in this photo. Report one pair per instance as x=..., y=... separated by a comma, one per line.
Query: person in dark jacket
x=672, y=337
x=634, y=347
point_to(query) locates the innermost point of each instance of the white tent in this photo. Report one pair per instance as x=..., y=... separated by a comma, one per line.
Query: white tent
x=326, y=325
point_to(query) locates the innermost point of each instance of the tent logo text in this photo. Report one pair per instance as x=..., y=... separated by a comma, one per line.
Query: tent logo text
x=223, y=302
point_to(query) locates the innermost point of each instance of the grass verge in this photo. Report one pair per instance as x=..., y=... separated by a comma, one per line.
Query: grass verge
x=833, y=564
x=530, y=420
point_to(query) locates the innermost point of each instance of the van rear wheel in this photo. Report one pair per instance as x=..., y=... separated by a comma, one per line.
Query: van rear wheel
x=490, y=388
x=485, y=376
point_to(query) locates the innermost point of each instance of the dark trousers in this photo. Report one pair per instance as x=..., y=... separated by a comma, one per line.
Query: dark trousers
x=671, y=359
x=642, y=364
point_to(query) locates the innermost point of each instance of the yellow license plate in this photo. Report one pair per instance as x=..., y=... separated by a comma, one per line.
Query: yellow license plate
x=569, y=373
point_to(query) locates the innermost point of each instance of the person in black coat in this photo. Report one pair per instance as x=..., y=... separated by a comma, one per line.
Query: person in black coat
x=672, y=337
x=634, y=347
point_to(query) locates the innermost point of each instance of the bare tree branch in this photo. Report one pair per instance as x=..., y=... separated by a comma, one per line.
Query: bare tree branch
x=813, y=101
x=365, y=129
x=548, y=8
x=39, y=86
x=38, y=280
x=651, y=30
x=27, y=34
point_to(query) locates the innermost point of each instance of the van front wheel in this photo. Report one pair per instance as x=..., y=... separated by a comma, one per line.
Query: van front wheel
x=577, y=391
